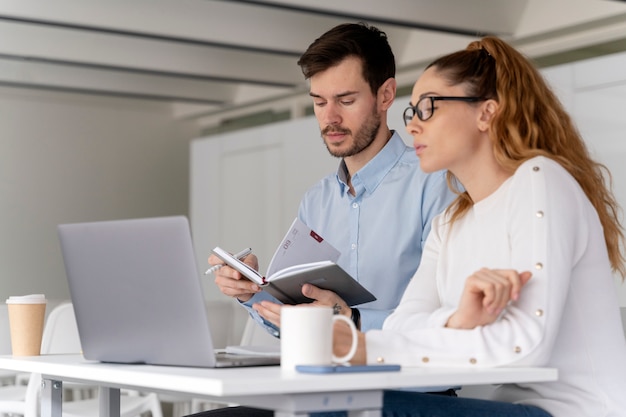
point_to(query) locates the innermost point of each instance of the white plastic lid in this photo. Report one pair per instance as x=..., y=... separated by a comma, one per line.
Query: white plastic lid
x=27, y=299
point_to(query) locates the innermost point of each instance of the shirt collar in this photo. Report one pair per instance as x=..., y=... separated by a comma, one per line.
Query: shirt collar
x=371, y=175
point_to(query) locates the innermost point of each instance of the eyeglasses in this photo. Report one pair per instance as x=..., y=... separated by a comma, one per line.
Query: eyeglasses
x=425, y=107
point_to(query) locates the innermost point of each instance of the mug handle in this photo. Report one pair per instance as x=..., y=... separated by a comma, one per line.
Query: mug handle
x=355, y=339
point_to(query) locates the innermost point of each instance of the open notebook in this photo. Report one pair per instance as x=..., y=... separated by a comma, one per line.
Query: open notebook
x=137, y=294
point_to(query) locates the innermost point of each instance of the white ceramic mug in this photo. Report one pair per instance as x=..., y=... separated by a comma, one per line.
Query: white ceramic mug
x=306, y=337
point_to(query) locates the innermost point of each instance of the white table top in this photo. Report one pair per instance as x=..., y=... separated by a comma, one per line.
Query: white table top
x=269, y=380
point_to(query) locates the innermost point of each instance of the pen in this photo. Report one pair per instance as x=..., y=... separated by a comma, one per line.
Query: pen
x=239, y=256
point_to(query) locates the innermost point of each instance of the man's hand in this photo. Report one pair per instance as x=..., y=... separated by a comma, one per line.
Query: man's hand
x=325, y=298
x=487, y=292
x=232, y=283
x=271, y=311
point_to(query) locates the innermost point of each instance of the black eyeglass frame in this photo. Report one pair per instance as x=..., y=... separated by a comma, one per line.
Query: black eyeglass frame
x=416, y=111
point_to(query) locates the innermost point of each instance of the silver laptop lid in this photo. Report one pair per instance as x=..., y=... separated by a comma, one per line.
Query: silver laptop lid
x=136, y=291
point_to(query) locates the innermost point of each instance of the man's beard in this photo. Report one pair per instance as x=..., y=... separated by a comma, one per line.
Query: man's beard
x=362, y=139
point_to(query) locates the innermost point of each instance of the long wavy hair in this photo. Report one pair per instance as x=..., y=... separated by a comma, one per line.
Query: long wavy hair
x=529, y=122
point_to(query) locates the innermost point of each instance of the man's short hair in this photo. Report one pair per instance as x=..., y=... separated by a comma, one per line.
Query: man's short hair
x=360, y=40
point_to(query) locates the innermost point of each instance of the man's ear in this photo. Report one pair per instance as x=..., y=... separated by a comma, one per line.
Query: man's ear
x=387, y=94
x=489, y=109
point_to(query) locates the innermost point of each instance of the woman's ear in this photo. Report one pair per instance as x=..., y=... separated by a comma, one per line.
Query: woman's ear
x=488, y=112
x=387, y=94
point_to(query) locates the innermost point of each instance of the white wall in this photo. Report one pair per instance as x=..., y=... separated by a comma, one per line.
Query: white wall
x=68, y=158
x=594, y=93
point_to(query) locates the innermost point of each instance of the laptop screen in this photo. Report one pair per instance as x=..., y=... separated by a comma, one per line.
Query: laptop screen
x=136, y=291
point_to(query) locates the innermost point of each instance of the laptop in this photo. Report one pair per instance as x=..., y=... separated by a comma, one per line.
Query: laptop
x=137, y=294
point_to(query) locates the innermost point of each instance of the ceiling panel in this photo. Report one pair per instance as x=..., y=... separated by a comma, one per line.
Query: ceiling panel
x=212, y=59
x=449, y=16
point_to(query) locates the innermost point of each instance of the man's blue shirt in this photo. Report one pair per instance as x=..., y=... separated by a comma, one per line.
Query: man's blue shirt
x=380, y=231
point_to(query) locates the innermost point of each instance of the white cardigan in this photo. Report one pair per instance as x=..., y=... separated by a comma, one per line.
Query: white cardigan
x=567, y=316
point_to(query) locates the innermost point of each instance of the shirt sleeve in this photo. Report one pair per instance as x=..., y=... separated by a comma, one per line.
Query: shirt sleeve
x=373, y=319
x=549, y=221
x=257, y=298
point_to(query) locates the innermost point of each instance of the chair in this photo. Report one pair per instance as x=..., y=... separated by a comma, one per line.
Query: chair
x=61, y=336
x=20, y=399
x=255, y=335
x=11, y=395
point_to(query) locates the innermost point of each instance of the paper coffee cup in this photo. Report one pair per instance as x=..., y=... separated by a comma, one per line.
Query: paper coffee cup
x=26, y=320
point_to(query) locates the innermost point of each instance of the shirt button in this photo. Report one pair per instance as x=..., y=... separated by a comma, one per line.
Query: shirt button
x=473, y=361
x=380, y=359
x=425, y=359
x=355, y=205
x=353, y=246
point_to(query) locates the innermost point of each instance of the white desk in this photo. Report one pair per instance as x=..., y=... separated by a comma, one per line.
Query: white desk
x=263, y=387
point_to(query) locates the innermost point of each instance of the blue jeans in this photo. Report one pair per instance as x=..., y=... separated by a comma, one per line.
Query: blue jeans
x=416, y=404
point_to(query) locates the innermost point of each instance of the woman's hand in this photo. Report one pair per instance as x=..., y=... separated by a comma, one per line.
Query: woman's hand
x=487, y=292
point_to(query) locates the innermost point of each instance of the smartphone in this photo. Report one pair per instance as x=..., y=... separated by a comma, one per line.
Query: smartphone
x=336, y=369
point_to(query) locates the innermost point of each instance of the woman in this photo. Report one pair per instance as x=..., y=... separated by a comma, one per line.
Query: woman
x=517, y=271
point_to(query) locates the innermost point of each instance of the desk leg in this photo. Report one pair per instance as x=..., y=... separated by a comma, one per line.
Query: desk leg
x=51, y=398
x=109, y=402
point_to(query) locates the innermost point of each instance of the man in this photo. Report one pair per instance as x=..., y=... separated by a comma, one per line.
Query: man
x=377, y=209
